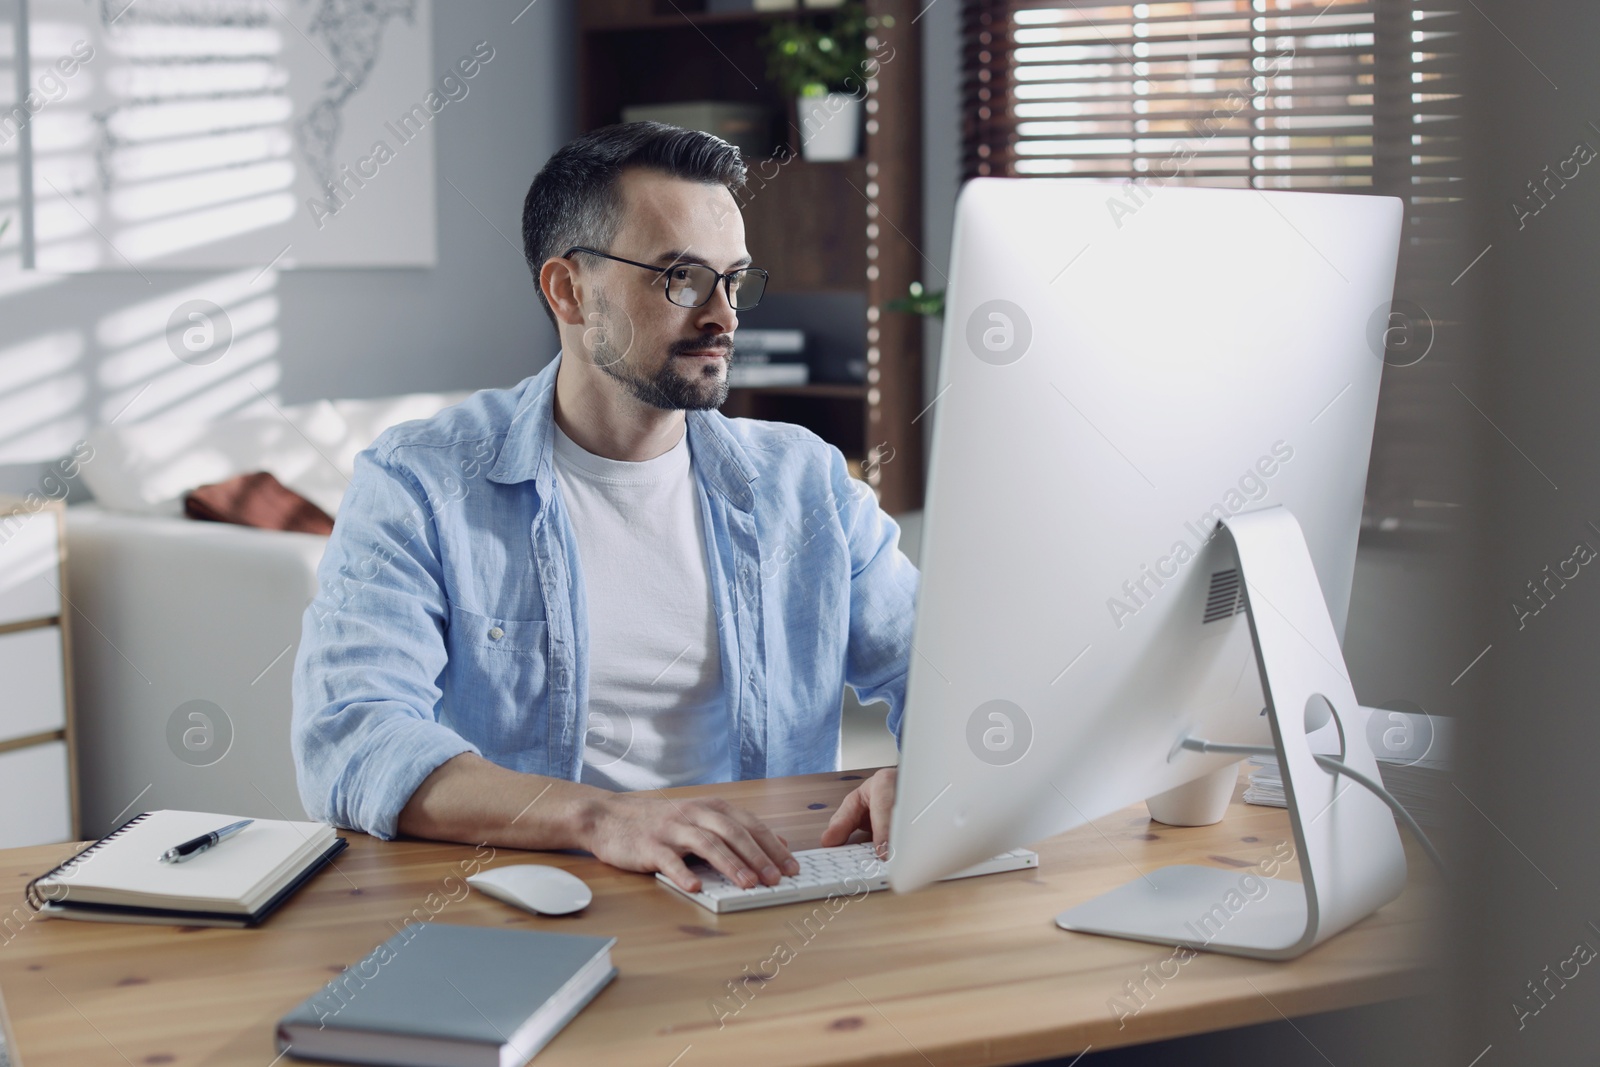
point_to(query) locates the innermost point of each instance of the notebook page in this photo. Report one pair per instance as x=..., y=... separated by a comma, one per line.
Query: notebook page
x=127, y=868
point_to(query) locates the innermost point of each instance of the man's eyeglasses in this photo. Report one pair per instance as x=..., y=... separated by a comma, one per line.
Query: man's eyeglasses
x=690, y=285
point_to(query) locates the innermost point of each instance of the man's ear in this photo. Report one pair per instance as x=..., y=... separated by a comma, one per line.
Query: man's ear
x=558, y=282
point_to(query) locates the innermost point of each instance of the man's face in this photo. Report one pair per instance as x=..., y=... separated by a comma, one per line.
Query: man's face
x=664, y=355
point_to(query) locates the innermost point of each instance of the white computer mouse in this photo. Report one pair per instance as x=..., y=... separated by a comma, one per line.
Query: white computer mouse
x=535, y=887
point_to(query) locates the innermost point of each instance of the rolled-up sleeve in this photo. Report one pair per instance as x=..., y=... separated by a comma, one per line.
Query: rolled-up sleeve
x=883, y=595
x=366, y=690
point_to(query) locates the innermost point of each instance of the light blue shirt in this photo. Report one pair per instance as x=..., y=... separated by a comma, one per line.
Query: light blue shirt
x=450, y=610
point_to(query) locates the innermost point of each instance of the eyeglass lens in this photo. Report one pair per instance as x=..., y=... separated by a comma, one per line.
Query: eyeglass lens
x=689, y=285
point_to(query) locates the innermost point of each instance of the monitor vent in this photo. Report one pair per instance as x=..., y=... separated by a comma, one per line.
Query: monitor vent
x=1226, y=597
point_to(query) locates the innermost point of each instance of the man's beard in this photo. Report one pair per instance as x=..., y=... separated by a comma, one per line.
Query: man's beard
x=667, y=388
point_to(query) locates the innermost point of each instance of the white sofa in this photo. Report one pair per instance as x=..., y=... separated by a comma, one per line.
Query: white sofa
x=174, y=618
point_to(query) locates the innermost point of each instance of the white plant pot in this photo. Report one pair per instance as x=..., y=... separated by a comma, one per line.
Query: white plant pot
x=1200, y=802
x=830, y=127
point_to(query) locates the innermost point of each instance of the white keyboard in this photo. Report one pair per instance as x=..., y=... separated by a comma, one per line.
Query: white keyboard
x=825, y=872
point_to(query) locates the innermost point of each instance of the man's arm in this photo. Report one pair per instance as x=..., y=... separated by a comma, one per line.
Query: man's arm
x=883, y=596
x=365, y=729
x=470, y=799
x=883, y=592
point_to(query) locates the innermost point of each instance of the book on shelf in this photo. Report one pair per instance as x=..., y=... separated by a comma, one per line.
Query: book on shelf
x=751, y=343
x=748, y=375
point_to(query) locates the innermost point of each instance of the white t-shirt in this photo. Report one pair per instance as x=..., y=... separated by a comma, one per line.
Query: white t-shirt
x=657, y=712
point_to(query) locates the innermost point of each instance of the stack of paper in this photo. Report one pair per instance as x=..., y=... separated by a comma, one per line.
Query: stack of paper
x=1413, y=751
x=749, y=375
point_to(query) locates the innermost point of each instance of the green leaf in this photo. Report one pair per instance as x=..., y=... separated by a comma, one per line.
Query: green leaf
x=921, y=301
x=825, y=47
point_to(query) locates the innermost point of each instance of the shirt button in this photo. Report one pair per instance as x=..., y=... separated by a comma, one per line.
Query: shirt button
x=495, y=633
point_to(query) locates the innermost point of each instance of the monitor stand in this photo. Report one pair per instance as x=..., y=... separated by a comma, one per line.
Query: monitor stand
x=1351, y=858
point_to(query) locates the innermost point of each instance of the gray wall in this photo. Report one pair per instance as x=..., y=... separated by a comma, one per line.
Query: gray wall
x=471, y=322
x=1531, y=882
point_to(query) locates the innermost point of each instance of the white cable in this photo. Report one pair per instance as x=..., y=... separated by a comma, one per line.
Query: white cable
x=1329, y=763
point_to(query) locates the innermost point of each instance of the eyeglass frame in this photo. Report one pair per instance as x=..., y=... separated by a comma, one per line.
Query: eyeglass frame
x=723, y=278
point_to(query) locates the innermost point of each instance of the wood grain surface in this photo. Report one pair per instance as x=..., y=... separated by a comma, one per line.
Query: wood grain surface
x=961, y=973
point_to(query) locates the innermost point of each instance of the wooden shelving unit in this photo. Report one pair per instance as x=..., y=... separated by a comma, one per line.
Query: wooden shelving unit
x=833, y=390
x=821, y=229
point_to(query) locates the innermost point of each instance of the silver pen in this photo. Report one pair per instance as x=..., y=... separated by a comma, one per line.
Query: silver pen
x=192, y=848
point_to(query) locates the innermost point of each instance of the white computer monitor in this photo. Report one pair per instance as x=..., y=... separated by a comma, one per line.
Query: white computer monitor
x=1125, y=366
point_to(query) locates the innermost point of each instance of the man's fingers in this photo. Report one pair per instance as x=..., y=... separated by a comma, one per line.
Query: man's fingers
x=717, y=851
x=729, y=826
x=882, y=807
x=671, y=864
x=684, y=831
x=776, y=848
x=845, y=820
x=773, y=843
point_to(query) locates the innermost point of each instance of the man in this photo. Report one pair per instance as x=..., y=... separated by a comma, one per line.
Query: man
x=593, y=581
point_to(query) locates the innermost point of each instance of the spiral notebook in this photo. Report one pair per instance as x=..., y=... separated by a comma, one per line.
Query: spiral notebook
x=238, y=882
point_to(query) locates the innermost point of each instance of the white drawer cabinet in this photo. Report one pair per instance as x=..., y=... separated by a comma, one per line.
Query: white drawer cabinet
x=38, y=794
x=26, y=774
x=33, y=700
x=29, y=564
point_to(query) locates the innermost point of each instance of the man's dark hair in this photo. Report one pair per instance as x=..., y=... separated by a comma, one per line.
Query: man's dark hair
x=574, y=198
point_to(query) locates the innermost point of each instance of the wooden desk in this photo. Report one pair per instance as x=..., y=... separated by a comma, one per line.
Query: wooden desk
x=961, y=973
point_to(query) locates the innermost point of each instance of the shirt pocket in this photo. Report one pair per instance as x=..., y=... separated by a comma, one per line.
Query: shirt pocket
x=497, y=689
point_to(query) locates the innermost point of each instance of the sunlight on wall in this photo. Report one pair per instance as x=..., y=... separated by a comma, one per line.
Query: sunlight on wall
x=167, y=166
x=42, y=389
x=45, y=404
x=139, y=363
x=42, y=384
x=63, y=146
x=173, y=137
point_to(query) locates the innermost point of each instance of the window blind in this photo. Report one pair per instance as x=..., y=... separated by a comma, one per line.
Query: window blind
x=1356, y=96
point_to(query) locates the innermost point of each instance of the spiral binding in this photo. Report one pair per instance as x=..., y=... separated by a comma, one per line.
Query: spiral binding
x=36, y=900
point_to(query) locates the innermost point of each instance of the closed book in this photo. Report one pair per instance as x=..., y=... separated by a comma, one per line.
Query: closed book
x=237, y=882
x=770, y=342
x=445, y=995
x=745, y=125
x=747, y=375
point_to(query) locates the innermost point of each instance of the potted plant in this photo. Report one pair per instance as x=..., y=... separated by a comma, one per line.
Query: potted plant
x=822, y=65
x=919, y=301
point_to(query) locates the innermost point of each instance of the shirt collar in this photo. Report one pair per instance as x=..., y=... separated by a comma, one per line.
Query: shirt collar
x=719, y=458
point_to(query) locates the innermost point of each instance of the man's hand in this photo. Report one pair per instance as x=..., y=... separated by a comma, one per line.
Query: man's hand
x=640, y=833
x=866, y=808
